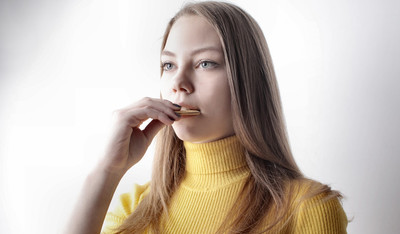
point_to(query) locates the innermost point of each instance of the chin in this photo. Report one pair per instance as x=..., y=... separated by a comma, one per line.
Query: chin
x=196, y=138
x=200, y=133
x=190, y=135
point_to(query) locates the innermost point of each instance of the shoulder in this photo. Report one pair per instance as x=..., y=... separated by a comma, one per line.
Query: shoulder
x=127, y=203
x=317, y=208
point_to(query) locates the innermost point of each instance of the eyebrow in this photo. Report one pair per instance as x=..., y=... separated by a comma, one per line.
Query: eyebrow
x=197, y=51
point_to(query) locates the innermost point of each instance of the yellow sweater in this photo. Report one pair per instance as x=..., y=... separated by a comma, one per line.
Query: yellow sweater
x=215, y=174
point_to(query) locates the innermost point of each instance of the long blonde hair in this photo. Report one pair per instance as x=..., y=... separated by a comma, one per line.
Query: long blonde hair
x=258, y=123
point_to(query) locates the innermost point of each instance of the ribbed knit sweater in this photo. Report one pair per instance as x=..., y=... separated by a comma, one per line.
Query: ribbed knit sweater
x=215, y=175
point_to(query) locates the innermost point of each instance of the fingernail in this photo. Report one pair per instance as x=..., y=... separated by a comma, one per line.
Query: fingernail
x=176, y=105
x=177, y=114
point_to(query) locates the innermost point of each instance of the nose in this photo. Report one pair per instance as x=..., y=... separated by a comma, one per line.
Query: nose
x=182, y=82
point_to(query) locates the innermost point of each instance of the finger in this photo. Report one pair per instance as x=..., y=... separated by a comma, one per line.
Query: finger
x=171, y=104
x=161, y=105
x=170, y=108
x=152, y=129
x=147, y=101
x=138, y=116
x=140, y=111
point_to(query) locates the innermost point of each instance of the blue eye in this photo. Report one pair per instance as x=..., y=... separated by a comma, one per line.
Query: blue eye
x=207, y=64
x=167, y=66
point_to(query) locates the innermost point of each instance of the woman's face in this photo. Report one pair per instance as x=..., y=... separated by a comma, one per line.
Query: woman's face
x=194, y=76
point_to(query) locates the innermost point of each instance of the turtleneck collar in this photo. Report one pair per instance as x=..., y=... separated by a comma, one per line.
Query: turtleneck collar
x=214, y=165
x=213, y=157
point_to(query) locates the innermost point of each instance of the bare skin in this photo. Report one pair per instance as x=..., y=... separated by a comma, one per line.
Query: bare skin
x=127, y=146
x=194, y=77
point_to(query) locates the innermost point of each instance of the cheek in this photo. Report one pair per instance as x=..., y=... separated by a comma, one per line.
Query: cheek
x=219, y=91
x=217, y=102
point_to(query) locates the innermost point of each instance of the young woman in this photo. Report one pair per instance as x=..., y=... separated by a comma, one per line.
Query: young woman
x=228, y=169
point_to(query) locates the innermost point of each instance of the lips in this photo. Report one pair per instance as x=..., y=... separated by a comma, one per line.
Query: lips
x=188, y=107
x=188, y=110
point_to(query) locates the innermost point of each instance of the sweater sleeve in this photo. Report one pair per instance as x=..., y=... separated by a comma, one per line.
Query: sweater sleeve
x=126, y=205
x=318, y=215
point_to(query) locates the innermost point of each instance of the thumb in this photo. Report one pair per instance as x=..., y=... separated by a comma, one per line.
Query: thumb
x=152, y=129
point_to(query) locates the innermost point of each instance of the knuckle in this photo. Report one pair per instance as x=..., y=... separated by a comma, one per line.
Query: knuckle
x=133, y=121
x=164, y=117
x=146, y=99
x=147, y=108
x=119, y=116
x=167, y=101
x=119, y=113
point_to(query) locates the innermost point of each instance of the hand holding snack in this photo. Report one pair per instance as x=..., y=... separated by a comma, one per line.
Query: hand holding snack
x=128, y=142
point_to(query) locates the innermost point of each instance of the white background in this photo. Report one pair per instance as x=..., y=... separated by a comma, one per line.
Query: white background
x=66, y=65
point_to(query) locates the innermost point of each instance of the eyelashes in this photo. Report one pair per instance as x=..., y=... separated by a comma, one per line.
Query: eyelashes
x=202, y=64
x=166, y=66
x=207, y=64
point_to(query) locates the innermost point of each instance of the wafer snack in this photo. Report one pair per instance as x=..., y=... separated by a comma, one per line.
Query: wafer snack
x=187, y=112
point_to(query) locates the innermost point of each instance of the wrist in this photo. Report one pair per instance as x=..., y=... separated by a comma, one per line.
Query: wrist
x=110, y=169
x=106, y=174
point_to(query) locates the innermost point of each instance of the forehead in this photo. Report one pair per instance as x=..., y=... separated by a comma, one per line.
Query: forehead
x=192, y=32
